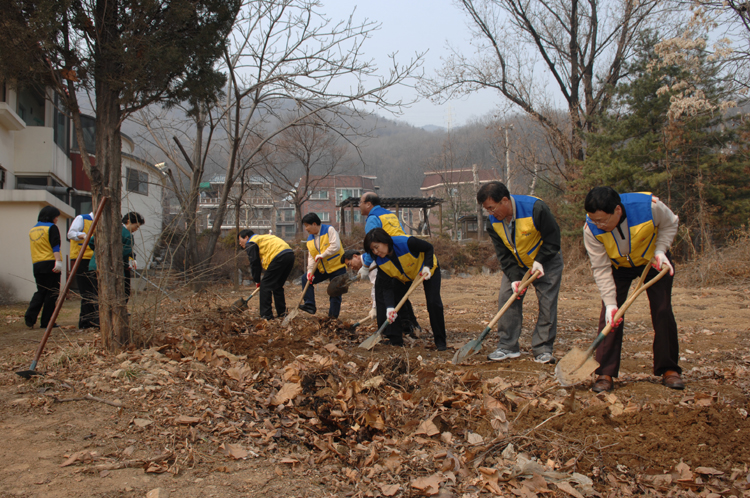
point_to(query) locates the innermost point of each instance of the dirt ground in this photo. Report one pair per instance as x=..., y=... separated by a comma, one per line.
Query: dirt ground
x=221, y=404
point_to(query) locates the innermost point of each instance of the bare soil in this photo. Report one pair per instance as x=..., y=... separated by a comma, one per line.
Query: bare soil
x=220, y=404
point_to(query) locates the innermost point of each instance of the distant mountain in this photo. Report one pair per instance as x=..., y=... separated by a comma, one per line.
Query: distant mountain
x=433, y=128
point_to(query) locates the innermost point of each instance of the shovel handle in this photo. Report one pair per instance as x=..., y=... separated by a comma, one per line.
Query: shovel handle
x=525, y=282
x=302, y=297
x=414, y=285
x=257, y=289
x=621, y=312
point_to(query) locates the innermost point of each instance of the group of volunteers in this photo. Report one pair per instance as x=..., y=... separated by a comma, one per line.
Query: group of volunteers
x=622, y=235
x=47, y=262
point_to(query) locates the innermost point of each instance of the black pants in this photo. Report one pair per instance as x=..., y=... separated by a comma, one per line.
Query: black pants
x=434, y=309
x=126, y=274
x=88, y=316
x=44, y=299
x=666, y=346
x=272, y=285
x=406, y=313
x=334, y=303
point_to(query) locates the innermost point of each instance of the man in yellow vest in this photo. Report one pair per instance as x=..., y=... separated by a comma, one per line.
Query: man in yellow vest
x=81, y=225
x=323, y=262
x=276, y=258
x=622, y=234
x=526, y=237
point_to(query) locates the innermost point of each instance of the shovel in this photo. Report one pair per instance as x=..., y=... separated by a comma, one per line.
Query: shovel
x=338, y=286
x=577, y=366
x=375, y=338
x=352, y=328
x=292, y=314
x=241, y=304
x=473, y=347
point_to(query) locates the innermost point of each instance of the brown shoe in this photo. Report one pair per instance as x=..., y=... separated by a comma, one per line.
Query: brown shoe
x=603, y=383
x=672, y=380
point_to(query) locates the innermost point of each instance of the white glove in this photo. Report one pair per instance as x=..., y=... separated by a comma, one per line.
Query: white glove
x=364, y=273
x=132, y=264
x=58, y=267
x=391, y=314
x=425, y=272
x=373, y=313
x=515, y=285
x=319, y=257
x=537, y=267
x=661, y=260
x=81, y=236
x=609, y=315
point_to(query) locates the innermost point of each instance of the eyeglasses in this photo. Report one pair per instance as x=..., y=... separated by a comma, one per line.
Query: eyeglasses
x=492, y=209
x=604, y=223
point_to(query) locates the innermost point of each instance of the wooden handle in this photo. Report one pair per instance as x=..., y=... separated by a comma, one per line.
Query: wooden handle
x=302, y=297
x=525, y=282
x=414, y=285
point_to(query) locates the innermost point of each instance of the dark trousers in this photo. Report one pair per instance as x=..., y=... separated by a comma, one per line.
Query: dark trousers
x=272, y=285
x=434, y=308
x=406, y=313
x=666, y=346
x=44, y=299
x=88, y=316
x=334, y=303
x=94, y=278
x=126, y=274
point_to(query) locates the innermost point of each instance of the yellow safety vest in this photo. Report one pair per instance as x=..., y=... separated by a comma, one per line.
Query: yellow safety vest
x=269, y=247
x=75, y=244
x=642, y=230
x=41, y=249
x=388, y=220
x=411, y=265
x=331, y=263
x=526, y=240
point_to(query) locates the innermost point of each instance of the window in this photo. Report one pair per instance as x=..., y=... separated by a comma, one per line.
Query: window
x=285, y=215
x=343, y=194
x=471, y=227
x=348, y=216
x=137, y=181
x=319, y=195
x=2, y=177
x=88, y=125
x=31, y=107
x=324, y=216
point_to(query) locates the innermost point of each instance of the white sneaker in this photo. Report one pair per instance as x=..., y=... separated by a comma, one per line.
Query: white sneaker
x=545, y=358
x=501, y=354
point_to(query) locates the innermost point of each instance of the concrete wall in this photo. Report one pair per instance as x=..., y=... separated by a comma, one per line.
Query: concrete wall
x=149, y=206
x=37, y=153
x=20, y=209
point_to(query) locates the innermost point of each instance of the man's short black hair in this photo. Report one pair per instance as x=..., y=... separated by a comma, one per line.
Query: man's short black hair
x=377, y=235
x=311, y=219
x=348, y=255
x=245, y=233
x=48, y=214
x=133, y=217
x=604, y=199
x=492, y=190
x=372, y=198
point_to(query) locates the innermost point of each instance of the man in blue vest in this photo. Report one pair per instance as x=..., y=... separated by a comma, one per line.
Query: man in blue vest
x=526, y=237
x=323, y=262
x=622, y=234
x=379, y=217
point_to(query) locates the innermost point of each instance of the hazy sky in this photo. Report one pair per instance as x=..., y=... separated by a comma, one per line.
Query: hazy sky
x=410, y=26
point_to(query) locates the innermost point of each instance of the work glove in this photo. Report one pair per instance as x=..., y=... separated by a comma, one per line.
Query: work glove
x=373, y=313
x=661, y=260
x=310, y=277
x=132, y=264
x=391, y=314
x=364, y=273
x=257, y=285
x=515, y=285
x=81, y=236
x=537, y=266
x=58, y=267
x=426, y=273
x=609, y=315
x=319, y=257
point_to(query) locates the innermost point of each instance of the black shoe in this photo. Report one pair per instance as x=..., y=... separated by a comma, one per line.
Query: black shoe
x=308, y=308
x=394, y=342
x=30, y=325
x=442, y=347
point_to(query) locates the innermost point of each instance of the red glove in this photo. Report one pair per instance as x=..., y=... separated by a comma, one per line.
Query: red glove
x=609, y=315
x=257, y=285
x=660, y=260
x=515, y=285
x=310, y=277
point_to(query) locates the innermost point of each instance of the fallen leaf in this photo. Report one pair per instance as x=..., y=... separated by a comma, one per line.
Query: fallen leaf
x=236, y=451
x=185, y=420
x=474, y=438
x=389, y=489
x=427, y=486
x=288, y=391
x=428, y=428
x=564, y=486
x=709, y=471
x=374, y=419
x=79, y=456
x=142, y=422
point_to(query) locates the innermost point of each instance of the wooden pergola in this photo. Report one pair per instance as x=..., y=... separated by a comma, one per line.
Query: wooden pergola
x=423, y=203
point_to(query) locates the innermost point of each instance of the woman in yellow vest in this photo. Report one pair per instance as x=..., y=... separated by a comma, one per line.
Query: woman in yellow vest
x=403, y=259
x=45, y=255
x=273, y=255
x=323, y=262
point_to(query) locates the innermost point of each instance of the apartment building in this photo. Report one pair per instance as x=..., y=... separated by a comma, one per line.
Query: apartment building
x=329, y=192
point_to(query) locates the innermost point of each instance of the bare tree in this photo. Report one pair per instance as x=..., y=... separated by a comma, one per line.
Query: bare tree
x=581, y=45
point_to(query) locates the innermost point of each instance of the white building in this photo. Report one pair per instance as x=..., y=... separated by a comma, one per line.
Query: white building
x=38, y=168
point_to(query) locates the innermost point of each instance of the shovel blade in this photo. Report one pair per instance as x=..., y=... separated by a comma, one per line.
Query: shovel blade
x=292, y=314
x=575, y=367
x=470, y=348
x=239, y=305
x=371, y=341
x=27, y=374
